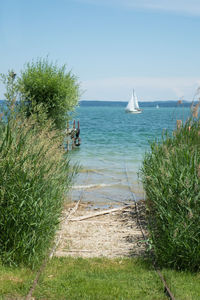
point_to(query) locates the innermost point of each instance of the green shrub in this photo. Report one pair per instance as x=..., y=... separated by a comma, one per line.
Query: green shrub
x=171, y=179
x=35, y=175
x=44, y=83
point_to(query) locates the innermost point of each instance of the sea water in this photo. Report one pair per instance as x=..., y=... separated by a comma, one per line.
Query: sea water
x=113, y=144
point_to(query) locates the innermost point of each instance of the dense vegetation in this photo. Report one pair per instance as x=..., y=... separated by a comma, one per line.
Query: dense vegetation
x=171, y=178
x=35, y=175
x=55, y=90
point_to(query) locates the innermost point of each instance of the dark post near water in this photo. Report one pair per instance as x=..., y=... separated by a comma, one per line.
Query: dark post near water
x=73, y=136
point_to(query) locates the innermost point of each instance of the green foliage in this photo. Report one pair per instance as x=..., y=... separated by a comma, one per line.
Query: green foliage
x=35, y=174
x=45, y=84
x=171, y=179
x=11, y=87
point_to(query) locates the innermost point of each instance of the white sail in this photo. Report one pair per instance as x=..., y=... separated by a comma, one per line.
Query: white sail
x=133, y=106
x=136, y=102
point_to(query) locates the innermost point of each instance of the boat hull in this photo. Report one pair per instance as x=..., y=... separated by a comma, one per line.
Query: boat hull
x=134, y=111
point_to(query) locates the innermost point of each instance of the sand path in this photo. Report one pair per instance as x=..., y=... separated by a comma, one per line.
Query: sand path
x=112, y=235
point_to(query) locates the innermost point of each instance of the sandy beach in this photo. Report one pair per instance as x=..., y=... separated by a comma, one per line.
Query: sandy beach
x=115, y=234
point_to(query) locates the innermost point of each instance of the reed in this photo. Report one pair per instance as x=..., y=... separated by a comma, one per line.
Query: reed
x=35, y=176
x=171, y=179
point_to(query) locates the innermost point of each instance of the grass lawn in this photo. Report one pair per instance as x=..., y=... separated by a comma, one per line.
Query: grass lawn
x=15, y=282
x=99, y=278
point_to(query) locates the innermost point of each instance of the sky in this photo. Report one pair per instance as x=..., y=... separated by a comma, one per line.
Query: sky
x=111, y=46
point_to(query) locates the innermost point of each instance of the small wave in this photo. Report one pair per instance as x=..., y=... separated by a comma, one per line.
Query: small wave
x=90, y=171
x=93, y=186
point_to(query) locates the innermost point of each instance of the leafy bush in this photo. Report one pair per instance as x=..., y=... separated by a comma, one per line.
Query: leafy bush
x=35, y=174
x=171, y=179
x=43, y=83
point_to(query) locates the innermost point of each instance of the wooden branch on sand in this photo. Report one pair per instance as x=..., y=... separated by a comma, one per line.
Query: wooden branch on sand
x=74, y=209
x=69, y=251
x=100, y=213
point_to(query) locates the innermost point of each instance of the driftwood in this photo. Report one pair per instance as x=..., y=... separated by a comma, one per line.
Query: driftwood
x=77, y=251
x=74, y=209
x=100, y=213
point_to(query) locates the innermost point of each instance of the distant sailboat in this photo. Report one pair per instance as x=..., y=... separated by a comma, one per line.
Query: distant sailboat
x=133, y=106
x=157, y=106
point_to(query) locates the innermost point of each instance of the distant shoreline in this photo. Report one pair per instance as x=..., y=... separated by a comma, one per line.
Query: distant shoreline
x=169, y=103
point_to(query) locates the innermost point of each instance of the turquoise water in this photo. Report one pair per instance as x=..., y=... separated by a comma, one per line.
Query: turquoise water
x=113, y=140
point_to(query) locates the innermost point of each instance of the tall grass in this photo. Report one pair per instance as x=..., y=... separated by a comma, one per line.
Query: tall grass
x=171, y=179
x=35, y=175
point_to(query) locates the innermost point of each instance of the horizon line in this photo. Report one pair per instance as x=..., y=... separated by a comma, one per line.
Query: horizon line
x=145, y=101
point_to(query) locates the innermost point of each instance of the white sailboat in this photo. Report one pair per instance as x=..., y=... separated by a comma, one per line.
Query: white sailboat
x=133, y=106
x=157, y=106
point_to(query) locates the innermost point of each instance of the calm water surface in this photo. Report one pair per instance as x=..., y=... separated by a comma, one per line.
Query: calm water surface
x=112, y=140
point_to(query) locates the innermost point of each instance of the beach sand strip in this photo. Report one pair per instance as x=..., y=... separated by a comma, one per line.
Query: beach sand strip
x=111, y=235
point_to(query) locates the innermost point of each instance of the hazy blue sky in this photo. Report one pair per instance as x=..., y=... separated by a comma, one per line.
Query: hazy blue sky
x=110, y=45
